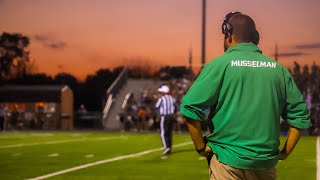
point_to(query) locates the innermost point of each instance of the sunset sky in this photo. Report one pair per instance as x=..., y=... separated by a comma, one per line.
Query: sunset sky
x=82, y=36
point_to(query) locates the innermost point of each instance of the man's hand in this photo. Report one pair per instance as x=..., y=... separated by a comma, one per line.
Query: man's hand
x=292, y=140
x=206, y=151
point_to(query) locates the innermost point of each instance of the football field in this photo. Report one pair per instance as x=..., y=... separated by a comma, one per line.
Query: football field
x=117, y=156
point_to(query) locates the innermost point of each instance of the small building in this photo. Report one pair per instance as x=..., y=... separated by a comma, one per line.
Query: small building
x=47, y=107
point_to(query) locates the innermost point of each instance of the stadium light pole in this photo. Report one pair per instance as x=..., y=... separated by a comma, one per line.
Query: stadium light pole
x=203, y=54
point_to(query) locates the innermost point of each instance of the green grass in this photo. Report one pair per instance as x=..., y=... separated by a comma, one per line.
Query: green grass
x=31, y=161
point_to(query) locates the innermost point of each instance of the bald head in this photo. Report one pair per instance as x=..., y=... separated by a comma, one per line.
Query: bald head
x=244, y=29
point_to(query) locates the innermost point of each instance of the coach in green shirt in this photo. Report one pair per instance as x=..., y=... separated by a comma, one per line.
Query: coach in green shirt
x=246, y=93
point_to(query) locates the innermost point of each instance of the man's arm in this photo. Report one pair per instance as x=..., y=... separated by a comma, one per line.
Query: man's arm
x=295, y=110
x=195, y=131
x=203, y=94
x=292, y=139
x=158, y=103
x=297, y=115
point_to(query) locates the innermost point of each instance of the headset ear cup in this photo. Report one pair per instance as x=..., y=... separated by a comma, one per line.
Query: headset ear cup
x=229, y=29
x=256, y=38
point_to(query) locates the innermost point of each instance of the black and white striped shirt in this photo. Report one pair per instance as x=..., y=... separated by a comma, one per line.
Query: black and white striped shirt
x=166, y=105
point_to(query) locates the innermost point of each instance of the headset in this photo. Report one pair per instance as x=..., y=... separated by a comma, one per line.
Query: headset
x=227, y=28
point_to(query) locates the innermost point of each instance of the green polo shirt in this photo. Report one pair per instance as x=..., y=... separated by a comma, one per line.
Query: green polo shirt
x=247, y=93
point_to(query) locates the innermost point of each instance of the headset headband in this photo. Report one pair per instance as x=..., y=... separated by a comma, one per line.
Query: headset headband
x=226, y=26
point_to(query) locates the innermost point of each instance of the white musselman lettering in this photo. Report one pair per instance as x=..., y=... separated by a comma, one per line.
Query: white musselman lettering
x=253, y=63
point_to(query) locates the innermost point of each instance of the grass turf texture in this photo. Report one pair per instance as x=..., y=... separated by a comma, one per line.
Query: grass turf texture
x=31, y=157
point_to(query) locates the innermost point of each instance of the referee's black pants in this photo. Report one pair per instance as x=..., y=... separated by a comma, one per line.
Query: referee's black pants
x=166, y=125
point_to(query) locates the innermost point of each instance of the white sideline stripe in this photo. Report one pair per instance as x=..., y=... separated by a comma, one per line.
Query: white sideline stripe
x=58, y=142
x=318, y=158
x=23, y=136
x=104, y=161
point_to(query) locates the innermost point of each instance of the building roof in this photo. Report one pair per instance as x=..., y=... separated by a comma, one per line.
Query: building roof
x=31, y=93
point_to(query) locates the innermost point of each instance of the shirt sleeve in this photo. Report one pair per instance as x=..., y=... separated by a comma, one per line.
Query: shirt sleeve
x=158, y=102
x=203, y=93
x=295, y=110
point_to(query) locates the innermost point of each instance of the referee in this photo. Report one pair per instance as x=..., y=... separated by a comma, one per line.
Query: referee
x=247, y=93
x=166, y=107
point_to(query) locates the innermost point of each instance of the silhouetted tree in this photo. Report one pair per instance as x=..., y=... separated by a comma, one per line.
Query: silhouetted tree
x=95, y=88
x=67, y=79
x=32, y=79
x=139, y=67
x=40, y=78
x=168, y=72
x=13, y=54
x=117, y=70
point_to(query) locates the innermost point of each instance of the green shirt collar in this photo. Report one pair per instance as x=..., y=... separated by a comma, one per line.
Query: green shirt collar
x=244, y=47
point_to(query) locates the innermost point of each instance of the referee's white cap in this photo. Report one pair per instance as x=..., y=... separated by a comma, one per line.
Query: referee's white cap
x=164, y=89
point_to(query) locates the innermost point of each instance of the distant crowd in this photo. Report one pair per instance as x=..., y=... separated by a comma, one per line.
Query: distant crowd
x=13, y=118
x=308, y=81
x=140, y=114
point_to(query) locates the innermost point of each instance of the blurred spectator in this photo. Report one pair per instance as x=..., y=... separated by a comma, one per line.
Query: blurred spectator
x=296, y=69
x=308, y=97
x=28, y=120
x=309, y=84
x=142, y=119
x=3, y=112
x=179, y=125
x=82, y=109
x=315, y=121
x=40, y=122
x=121, y=117
x=14, y=118
x=314, y=69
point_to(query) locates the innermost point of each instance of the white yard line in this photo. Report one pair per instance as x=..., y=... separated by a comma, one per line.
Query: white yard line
x=59, y=142
x=318, y=158
x=19, y=135
x=53, y=155
x=105, y=161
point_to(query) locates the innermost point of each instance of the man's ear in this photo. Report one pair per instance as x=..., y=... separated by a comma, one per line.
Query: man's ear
x=256, y=38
